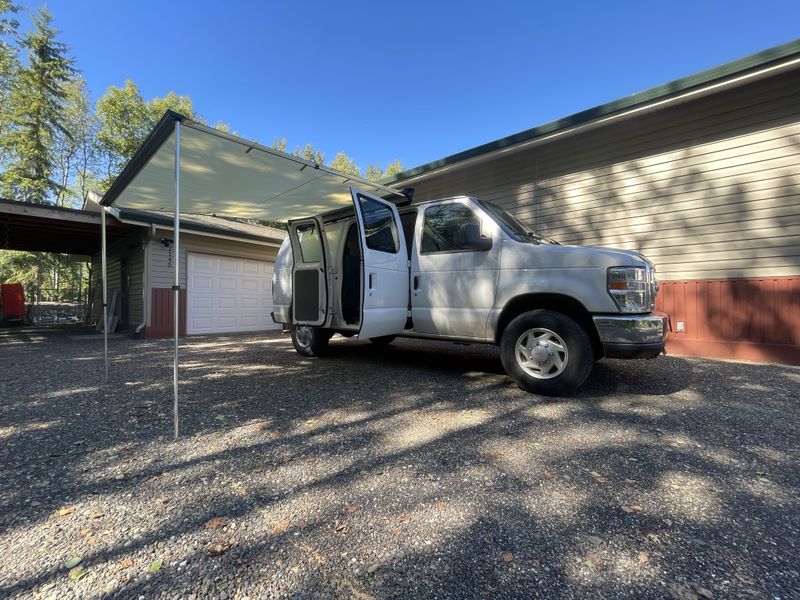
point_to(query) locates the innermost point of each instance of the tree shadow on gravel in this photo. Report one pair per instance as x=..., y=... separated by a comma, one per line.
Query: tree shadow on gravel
x=404, y=472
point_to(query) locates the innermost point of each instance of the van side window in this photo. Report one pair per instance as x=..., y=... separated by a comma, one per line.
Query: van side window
x=380, y=230
x=441, y=231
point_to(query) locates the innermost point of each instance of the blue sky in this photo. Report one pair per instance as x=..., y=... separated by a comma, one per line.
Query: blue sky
x=410, y=80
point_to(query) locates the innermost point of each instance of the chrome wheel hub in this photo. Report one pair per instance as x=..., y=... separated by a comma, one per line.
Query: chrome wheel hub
x=541, y=353
x=303, y=334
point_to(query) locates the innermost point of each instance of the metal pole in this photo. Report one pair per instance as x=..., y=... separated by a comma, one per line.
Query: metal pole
x=177, y=286
x=105, y=287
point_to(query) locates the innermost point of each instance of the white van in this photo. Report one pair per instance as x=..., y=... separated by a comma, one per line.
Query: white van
x=463, y=270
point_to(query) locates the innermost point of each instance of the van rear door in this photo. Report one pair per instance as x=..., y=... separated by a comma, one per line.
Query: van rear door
x=384, y=298
x=309, y=282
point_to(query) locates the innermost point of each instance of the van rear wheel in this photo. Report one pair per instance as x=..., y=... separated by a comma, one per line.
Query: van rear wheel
x=310, y=341
x=546, y=352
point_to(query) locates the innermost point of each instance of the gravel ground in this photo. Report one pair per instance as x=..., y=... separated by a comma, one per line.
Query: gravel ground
x=416, y=471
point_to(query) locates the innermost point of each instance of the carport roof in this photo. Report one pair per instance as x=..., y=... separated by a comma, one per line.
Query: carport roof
x=49, y=228
x=228, y=176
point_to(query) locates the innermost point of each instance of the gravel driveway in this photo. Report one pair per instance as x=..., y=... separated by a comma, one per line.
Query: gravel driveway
x=415, y=471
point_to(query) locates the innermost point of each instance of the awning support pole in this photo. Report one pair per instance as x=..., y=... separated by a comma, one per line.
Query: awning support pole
x=105, y=286
x=177, y=258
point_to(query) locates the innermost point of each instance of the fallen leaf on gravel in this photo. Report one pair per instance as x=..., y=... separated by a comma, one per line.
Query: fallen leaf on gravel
x=35, y=503
x=600, y=480
x=214, y=523
x=629, y=508
x=594, y=474
x=77, y=573
x=155, y=566
x=493, y=454
x=654, y=538
x=311, y=459
x=219, y=417
x=351, y=509
x=701, y=591
x=340, y=527
x=287, y=458
x=643, y=558
x=405, y=517
x=95, y=515
x=72, y=562
x=744, y=579
x=508, y=556
x=66, y=510
x=397, y=531
x=373, y=567
x=668, y=522
x=536, y=563
x=92, y=539
x=440, y=506
x=126, y=563
x=630, y=481
x=281, y=528
x=219, y=548
x=594, y=539
x=549, y=474
x=594, y=561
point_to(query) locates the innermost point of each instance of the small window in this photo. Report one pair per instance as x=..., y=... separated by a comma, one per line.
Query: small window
x=310, y=243
x=441, y=231
x=380, y=230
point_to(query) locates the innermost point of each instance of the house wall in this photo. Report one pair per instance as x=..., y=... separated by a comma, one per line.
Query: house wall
x=161, y=273
x=709, y=190
x=132, y=247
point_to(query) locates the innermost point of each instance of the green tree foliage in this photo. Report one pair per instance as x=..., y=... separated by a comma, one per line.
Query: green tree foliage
x=393, y=168
x=8, y=56
x=125, y=119
x=310, y=153
x=75, y=148
x=344, y=164
x=35, y=115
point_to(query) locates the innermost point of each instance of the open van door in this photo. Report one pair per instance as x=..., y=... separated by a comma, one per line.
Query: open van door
x=309, y=282
x=384, y=298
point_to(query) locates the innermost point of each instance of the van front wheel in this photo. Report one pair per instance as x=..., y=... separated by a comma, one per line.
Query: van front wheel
x=546, y=352
x=310, y=341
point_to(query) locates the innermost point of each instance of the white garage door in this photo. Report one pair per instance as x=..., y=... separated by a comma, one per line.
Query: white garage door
x=227, y=294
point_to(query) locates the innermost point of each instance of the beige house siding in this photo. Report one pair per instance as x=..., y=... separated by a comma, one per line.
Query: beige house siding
x=162, y=271
x=707, y=189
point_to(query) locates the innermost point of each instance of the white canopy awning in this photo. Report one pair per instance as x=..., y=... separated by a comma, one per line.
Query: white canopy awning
x=184, y=166
x=227, y=176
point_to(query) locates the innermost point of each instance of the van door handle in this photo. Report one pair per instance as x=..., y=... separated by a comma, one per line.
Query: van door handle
x=370, y=281
x=416, y=282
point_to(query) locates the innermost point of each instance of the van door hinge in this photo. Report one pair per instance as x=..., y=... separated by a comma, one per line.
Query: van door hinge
x=408, y=264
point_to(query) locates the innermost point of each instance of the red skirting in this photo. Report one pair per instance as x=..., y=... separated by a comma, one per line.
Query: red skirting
x=162, y=310
x=750, y=319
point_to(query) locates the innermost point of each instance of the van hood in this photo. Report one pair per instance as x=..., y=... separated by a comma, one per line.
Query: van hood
x=521, y=255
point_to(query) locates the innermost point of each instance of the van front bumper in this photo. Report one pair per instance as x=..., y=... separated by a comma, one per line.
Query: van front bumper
x=632, y=336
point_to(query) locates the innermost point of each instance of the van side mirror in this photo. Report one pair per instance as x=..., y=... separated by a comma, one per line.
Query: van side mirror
x=471, y=238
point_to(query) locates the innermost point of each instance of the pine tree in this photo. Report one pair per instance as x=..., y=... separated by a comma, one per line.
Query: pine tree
x=36, y=111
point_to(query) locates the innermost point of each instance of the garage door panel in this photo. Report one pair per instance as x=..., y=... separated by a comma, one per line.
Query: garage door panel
x=228, y=294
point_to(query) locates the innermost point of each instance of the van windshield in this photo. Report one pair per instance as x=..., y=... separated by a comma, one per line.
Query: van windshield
x=512, y=226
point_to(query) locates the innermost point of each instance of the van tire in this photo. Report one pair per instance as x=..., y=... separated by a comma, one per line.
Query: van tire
x=383, y=340
x=310, y=341
x=568, y=353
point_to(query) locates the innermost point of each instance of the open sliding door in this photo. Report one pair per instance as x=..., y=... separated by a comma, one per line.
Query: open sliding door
x=384, y=305
x=309, y=283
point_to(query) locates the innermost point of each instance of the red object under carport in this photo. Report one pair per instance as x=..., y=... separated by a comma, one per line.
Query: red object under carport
x=12, y=303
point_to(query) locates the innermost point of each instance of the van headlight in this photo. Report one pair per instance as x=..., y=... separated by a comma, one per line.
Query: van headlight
x=633, y=289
